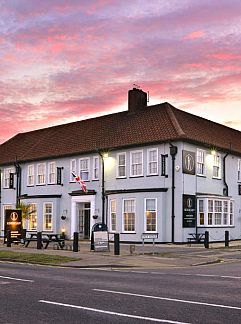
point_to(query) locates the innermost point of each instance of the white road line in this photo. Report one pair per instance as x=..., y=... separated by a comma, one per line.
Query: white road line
x=17, y=279
x=168, y=299
x=112, y=313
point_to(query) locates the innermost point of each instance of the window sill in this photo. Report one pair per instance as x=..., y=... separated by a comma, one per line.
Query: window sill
x=30, y=185
x=215, y=226
x=124, y=177
x=40, y=184
x=137, y=176
x=201, y=175
x=216, y=178
x=128, y=233
x=152, y=175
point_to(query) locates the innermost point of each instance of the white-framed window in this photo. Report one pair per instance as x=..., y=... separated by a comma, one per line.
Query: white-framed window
x=84, y=168
x=96, y=168
x=129, y=215
x=121, y=165
x=217, y=166
x=150, y=214
x=48, y=216
x=6, y=177
x=136, y=163
x=215, y=212
x=51, y=172
x=201, y=154
x=72, y=169
x=113, y=215
x=30, y=177
x=32, y=224
x=239, y=170
x=41, y=173
x=201, y=211
x=152, y=161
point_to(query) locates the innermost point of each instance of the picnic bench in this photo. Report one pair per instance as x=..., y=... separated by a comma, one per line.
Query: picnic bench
x=45, y=239
x=195, y=238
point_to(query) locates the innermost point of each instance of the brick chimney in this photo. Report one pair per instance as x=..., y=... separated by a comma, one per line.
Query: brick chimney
x=137, y=99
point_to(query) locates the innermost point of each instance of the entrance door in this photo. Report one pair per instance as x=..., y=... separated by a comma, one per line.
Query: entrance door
x=84, y=220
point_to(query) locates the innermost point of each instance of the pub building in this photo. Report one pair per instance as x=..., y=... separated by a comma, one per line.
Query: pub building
x=148, y=169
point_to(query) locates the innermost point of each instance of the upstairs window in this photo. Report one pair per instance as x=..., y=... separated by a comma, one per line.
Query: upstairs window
x=72, y=169
x=239, y=170
x=41, y=173
x=136, y=163
x=152, y=161
x=216, y=166
x=84, y=168
x=200, y=162
x=51, y=173
x=6, y=177
x=96, y=168
x=121, y=165
x=30, y=179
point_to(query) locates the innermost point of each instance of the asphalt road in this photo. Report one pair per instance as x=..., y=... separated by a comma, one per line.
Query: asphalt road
x=38, y=294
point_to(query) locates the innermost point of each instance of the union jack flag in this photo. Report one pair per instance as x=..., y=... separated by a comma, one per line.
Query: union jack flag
x=80, y=181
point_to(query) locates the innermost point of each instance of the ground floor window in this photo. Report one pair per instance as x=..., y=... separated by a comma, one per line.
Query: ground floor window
x=113, y=215
x=214, y=212
x=129, y=215
x=32, y=225
x=150, y=214
x=48, y=216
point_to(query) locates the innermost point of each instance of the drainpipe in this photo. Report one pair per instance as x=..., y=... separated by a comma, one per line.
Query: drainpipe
x=173, y=153
x=18, y=182
x=225, y=190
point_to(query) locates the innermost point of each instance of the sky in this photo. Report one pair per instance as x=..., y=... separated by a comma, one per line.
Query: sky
x=67, y=60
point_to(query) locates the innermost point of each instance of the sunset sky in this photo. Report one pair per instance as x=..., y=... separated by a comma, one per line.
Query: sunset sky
x=63, y=61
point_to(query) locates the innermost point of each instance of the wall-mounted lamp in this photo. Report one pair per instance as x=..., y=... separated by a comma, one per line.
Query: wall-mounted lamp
x=64, y=214
x=63, y=233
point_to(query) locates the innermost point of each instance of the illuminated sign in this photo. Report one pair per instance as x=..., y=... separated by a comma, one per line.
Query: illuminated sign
x=189, y=210
x=188, y=162
x=13, y=223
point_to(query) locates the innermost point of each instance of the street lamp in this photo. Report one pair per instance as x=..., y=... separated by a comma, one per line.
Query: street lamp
x=103, y=156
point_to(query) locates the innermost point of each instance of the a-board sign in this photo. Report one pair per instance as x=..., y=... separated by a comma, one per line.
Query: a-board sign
x=146, y=236
x=101, y=241
x=13, y=223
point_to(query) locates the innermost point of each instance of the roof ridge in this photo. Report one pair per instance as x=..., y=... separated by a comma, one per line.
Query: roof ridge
x=174, y=120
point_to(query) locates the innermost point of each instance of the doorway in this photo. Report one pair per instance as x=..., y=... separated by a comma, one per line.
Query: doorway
x=83, y=212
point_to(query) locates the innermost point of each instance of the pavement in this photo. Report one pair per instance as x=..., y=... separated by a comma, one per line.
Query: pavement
x=161, y=256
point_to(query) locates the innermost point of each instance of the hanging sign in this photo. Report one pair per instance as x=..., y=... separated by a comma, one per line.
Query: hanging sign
x=189, y=210
x=188, y=162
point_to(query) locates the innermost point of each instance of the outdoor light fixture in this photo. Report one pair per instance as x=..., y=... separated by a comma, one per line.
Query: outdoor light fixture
x=64, y=214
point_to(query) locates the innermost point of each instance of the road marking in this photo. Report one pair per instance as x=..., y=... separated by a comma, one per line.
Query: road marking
x=169, y=299
x=17, y=279
x=113, y=313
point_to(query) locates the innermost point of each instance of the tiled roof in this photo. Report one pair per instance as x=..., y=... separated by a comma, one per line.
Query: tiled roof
x=152, y=124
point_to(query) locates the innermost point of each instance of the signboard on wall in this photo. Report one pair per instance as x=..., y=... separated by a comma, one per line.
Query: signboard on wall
x=189, y=211
x=188, y=162
x=13, y=223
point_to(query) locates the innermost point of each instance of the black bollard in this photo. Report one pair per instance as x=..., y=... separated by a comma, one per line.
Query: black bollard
x=116, y=244
x=76, y=242
x=206, y=240
x=226, y=238
x=39, y=240
x=8, y=238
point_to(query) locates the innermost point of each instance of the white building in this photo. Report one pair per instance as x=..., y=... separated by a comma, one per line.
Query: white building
x=167, y=172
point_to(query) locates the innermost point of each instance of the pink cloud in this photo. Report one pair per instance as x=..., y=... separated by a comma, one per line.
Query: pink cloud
x=195, y=35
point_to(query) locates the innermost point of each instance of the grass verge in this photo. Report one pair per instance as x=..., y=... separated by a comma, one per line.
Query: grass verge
x=34, y=258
